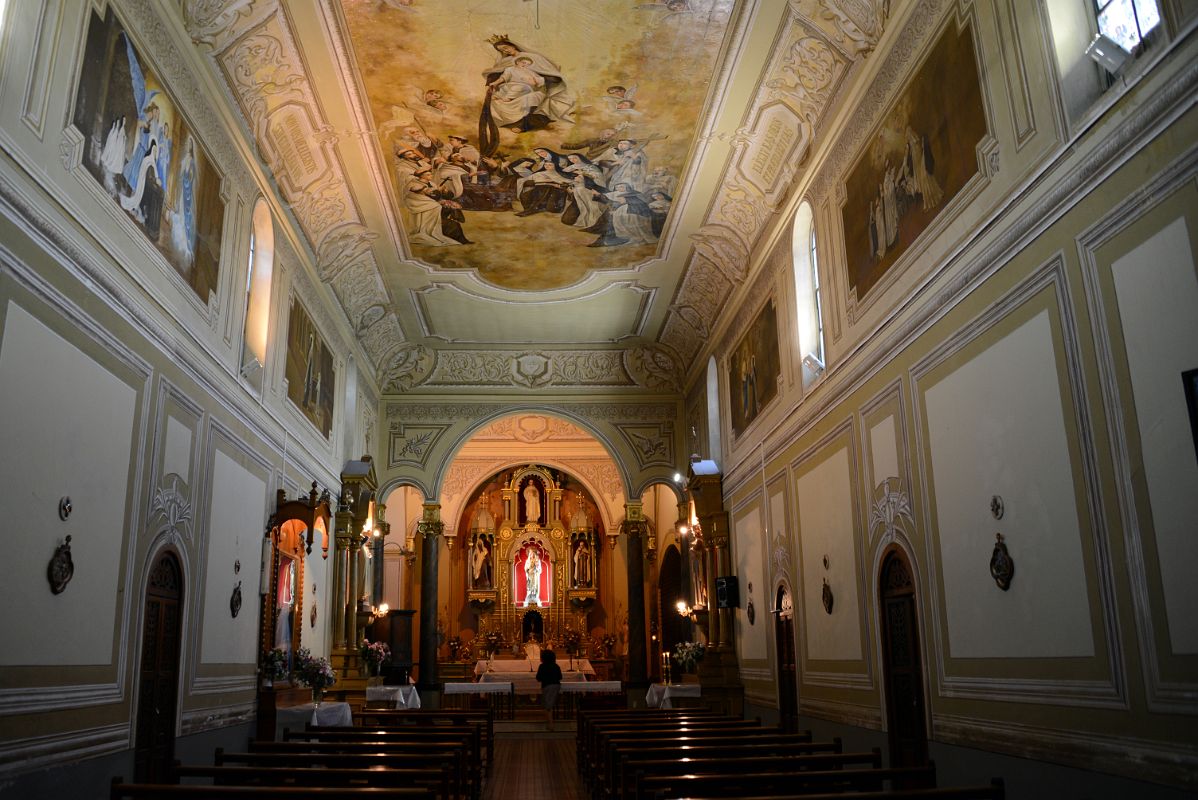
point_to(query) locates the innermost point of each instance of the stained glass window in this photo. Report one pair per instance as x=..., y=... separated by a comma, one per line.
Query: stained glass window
x=1127, y=21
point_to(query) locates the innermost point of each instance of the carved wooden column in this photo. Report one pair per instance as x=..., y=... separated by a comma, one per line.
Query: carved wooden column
x=428, y=531
x=635, y=528
x=716, y=528
x=339, y=591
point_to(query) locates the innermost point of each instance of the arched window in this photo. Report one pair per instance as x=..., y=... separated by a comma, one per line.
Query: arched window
x=809, y=305
x=257, y=294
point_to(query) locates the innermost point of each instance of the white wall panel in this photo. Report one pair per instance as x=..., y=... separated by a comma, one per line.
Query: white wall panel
x=825, y=499
x=236, y=518
x=883, y=451
x=749, y=561
x=177, y=455
x=996, y=426
x=66, y=423
x=1157, y=291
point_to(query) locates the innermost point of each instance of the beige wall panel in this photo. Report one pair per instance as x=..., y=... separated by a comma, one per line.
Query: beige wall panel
x=317, y=575
x=825, y=500
x=236, y=517
x=67, y=424
x=177, y=451
x=884, y=451
x=1157, y=292
x=750, y=638
x=996, y=426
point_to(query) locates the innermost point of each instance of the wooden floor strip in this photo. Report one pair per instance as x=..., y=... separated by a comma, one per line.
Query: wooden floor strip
x=534, y=767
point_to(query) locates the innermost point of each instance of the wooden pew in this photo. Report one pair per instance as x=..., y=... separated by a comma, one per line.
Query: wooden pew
x=464, y=776
x=120, y=790
x=602, y=736
x=485, y=720
x=469, y=737
x=793, y=782
x=649, y=758
x=736, y=762
x=588, y=721
x=610, y=743
x=436, y=778
x=995, y=791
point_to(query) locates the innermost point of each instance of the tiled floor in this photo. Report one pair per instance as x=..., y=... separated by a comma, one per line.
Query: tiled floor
x=534, y=764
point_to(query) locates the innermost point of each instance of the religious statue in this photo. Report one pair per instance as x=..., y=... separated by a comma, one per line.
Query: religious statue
x=532, y=575
x=582, y=564
x=532, y=502
x=480, y=563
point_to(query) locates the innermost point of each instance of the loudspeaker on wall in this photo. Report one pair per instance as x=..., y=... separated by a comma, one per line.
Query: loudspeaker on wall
x=727, y=592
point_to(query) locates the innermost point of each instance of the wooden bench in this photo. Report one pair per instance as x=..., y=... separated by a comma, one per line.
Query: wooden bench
x=436, y=778
x=995, y=791
x=782, y=779
x=602, y=737
x=588, y=721
x=485, y=720
x=466, y=779
x=166, y=791
x=663, y=760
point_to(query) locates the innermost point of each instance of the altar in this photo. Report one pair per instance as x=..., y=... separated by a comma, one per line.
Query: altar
x=523, y=674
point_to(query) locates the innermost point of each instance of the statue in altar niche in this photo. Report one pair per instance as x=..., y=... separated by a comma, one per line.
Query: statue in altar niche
x=532, y=503
x=480, y=564
x=582, y=565
x=532, y=576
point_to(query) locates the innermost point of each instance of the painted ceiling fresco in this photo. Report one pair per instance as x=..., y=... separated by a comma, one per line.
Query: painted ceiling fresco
x=535, y=141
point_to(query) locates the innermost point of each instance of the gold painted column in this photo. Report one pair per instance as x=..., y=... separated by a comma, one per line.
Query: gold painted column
x=635, y=528
x=716, y=527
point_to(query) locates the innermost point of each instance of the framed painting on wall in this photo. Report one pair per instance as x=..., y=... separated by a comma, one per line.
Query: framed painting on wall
x=311, y=379
x=923, y=153
x=753, y=369
x=145, y=155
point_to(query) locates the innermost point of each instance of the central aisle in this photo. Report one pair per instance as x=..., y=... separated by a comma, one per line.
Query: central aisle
x=534, y=765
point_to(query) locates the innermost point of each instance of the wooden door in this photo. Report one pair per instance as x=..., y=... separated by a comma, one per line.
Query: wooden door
x=788, y=673
x=158, y=675
x=902, y=665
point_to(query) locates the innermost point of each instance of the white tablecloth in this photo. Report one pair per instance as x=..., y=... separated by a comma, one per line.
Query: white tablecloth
x=660, y=694
x=497, y=687
x=526, y=682
x=398, y=696
x=592, y=687
x=507, y=665
x=327, y=713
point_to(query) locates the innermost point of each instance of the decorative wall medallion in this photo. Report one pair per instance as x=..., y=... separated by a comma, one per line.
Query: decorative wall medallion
x=997, y=507
x=64, y=508
x=827, y=597
x=171, y=504
x=235, y=601
x=531, y=370
x=312, y=616
x=61, y=568
x=1002, y=566
x=891, y=511
x=750, y=609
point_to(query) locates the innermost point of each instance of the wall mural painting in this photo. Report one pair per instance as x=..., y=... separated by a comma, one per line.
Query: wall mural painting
x=311, y=380
x=753, y=369
x=922, y=155
x=142, y=151
x=535, y=141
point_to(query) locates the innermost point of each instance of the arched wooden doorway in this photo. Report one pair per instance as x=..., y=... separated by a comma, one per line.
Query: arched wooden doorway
x=902, y=665
x=675, y=628
x=788, y=673
x=158, y=673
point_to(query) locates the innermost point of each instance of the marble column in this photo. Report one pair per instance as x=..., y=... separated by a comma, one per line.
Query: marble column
x=634, y=527
x=428, y=531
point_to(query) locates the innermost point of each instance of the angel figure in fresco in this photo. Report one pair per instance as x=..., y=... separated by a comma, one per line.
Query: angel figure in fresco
x=525, y=91
x=582, y=564
x=148, y=125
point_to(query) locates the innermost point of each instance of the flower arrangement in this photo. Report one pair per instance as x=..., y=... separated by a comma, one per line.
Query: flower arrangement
x=688, y=654
x=274, y=665
x=315, y=673
x=493, y=642
x=571, y=640
x=609, y=643
x=375, y=654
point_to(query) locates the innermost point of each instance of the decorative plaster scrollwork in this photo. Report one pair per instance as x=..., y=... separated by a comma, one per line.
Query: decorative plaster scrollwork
x=653, y=367
x=212, y=23
x=858, y=23
x=171, y=506
x=408, y=367
x=342, y=246
x=780, y=559
x=891, y=509
x=532, y=370
x=723, y=248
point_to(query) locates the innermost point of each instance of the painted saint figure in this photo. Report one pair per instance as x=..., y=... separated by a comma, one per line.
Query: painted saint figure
x=582, y=565
x=532, y=577
x=481, y=564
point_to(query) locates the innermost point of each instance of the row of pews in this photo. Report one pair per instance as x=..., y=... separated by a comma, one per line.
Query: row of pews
x=657, y=754
x=418, y=754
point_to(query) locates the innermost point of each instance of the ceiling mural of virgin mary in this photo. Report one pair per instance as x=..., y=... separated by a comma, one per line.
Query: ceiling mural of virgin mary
x=532, y=140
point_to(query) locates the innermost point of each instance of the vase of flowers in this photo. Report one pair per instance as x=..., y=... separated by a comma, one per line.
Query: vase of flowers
x=609, y=643
x=376, y=655
x=315, y=673
x=688, y=654
x=274, y=666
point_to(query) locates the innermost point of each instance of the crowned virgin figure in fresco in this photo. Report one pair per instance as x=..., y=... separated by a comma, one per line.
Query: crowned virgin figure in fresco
x=525, y=91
